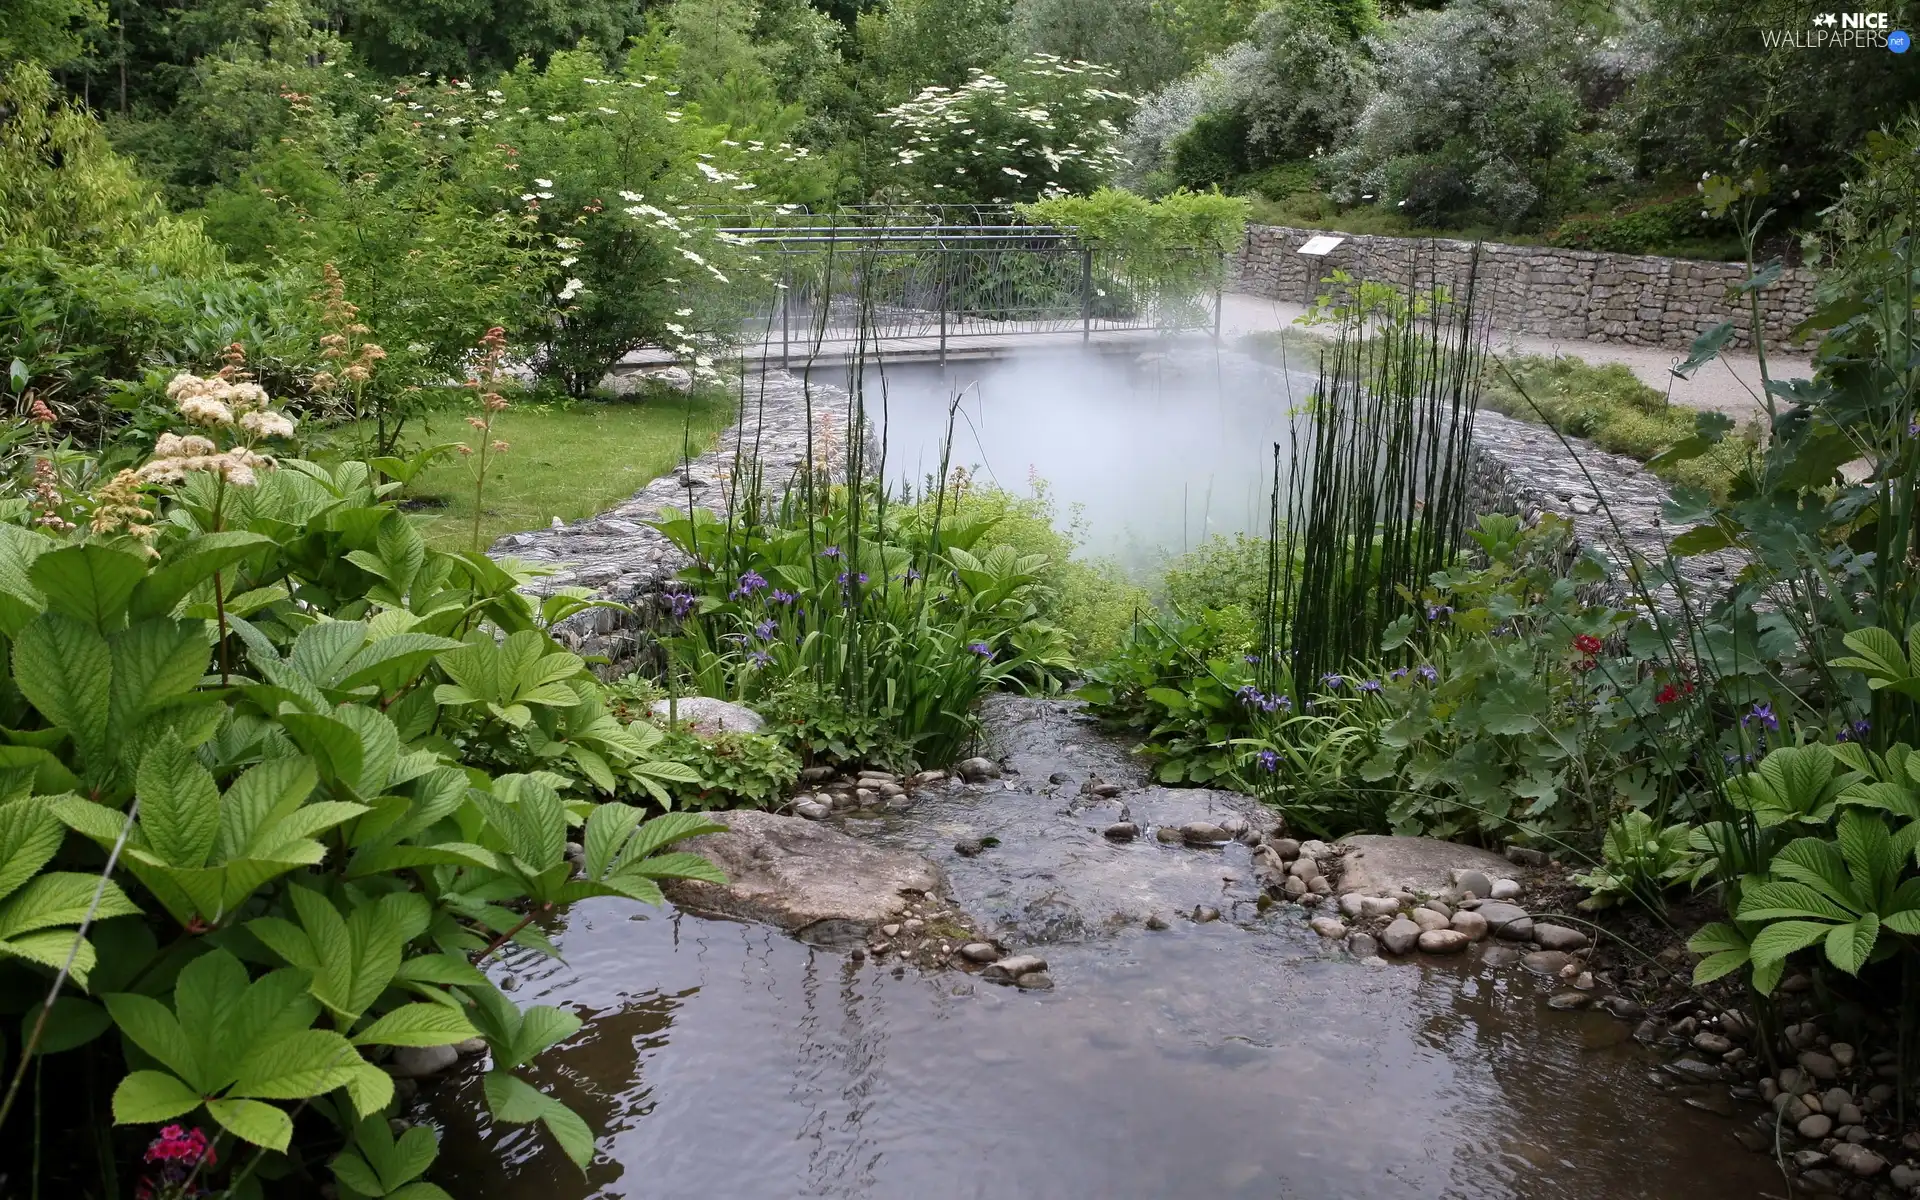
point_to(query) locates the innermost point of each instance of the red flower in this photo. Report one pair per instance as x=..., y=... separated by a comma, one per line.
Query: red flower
x=1587, y=644
x=1670, y=693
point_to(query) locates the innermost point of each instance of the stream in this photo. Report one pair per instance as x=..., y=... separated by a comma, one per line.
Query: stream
x=1238, y=1057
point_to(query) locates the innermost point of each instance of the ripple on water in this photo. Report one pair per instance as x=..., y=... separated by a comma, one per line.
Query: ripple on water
x=727, y=1060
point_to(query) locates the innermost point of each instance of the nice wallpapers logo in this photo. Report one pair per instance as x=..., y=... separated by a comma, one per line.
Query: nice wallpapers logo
x=1841, y=31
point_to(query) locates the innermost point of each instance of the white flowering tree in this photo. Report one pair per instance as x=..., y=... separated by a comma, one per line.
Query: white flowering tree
x=1048, y=127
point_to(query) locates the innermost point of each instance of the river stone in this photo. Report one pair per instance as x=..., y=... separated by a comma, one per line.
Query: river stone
x=1471, y=924
x=1401, y=936
x=813, y=810
x=1833, y=1100
x=1691, y=1069
x=1442, y=941
x=1303, y=868
x=1156, y=922
x=1315, y=848
x=1362, y=945
x=1546, y=962
x=1352, y=905
x=708, y=717
x=1708, y=1042
x=1858, y=1159
x=977, y=770
x=1850, y=1114
x=1904, y=1177
x=1558, y=937
x=1122, y=831
x=1818, y=1065
x=1295, y=887
x=1843, y=1054
x=1319, y=886
x=1168, y=835
x=1013, y=966
x=1286, y=848
x=1203, y=913
x=1204, y=833
x=1379, y=906
x=1815, y=1126
x=1622, y=1007
x=1328, y=927
x=1508, y=921
x=1377, y=865
x=1499, y=956
x=811, y=880
x=1473, y=881
x=815, y=774
x=1428, y=920
x=420, y=1062
x=1504, y=889
x=1034, y=981
x=979, y=952
x=1569, y=1000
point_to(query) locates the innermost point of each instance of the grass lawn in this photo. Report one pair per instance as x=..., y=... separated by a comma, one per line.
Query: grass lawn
x=567, y=462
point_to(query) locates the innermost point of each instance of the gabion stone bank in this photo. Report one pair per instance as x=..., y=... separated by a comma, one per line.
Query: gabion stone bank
x=1576, y=294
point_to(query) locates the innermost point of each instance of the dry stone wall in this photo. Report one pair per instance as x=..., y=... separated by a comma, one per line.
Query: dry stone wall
x=1574, y=294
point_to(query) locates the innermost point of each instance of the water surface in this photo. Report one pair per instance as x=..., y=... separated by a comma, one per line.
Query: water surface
x=1240, y=1057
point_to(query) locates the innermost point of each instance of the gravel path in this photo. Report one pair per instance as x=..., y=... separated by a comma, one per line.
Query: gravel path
x=1731, y=385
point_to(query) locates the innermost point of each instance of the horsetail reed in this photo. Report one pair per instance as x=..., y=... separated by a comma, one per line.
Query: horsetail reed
x=1377, y=475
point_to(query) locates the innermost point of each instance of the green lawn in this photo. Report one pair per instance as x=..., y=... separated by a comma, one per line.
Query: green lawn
x=567, y=462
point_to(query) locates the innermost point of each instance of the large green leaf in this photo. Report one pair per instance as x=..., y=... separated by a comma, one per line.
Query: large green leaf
x=179, y=804
x=30, y=833
x=417, y=1025
x=64, y=668
x=187, y=567
x=307, y=1063
x=150, y=1025
x=1849, y=945
x=90, y=583
x=516, y=1102
x=254, y=1121
x=149, y=1097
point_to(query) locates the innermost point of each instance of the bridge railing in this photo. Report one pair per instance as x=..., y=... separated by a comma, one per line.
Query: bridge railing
x=936, y=286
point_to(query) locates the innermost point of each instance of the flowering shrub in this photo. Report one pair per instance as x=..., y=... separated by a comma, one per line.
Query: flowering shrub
x=1047, y=129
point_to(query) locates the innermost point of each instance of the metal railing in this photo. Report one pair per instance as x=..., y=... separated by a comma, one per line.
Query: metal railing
x=932, y=286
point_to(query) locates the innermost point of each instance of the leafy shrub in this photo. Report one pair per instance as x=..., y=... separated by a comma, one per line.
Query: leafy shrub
x=736, y=770
x=329, y=771
x=899, y=622
x=1657, y=227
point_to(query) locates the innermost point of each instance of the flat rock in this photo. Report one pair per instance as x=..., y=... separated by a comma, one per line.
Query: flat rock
x=707, y=716
x=1122, y=831
x=1034, y=981
x=980, y=952
x=1858, y=1159
x=1558, y=937
x=1013, y=967
x=1569, y=1000
x=1508, y=921
x=1328, y=927
x=1362, y=945
x=811, y=880
x=1375, y=864
x=1499, y=956
x=1442, y=941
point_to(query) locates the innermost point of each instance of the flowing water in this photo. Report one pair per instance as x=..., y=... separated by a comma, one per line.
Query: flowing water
x=1239, y=1057
x=1157, y=451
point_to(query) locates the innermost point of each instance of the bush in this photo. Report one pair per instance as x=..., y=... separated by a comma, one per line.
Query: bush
x=1675, y=226
x=876, y=629
x=277, y=780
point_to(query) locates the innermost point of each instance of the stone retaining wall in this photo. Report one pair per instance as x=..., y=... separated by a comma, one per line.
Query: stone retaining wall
x=1574, y=294
x=1614, y=503
x=619, y=557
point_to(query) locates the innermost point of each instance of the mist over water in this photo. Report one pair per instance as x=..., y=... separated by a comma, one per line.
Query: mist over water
x=1157, y=452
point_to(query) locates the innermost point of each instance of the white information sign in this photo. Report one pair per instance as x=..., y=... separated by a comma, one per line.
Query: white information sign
x=1320, y=247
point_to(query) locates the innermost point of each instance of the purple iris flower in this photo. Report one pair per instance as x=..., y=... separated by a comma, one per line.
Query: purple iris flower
x=760, y=658
x=1269, y=760
x=1436, y=611
x=830, y=552
x=1333, y=680
x=1397, y=673
x=780, y=597
x=680, y=603
x=1248, y=695
x=1369, y=685
x=1763, y=716
x=982, y=649
x=1427, y=673
x=766, y=629
x=750, y=583
x=1855, y=732
x=1275, y=704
